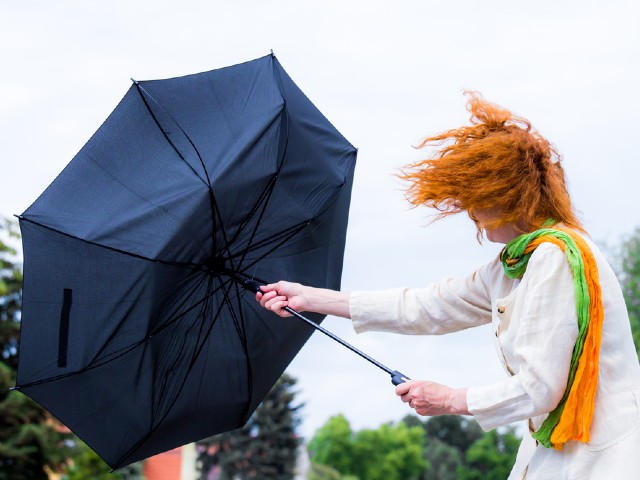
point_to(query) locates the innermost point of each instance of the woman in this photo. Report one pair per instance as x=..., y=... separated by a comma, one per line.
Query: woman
x=560, y=322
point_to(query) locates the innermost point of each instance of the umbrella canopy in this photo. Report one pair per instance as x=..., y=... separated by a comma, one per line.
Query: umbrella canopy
x=136, y=330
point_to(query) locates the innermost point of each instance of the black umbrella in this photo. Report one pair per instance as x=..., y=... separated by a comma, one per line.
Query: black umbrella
x=137, y=329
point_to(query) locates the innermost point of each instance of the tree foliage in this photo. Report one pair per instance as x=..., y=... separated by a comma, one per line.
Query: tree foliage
x=454, y=430
x=444, y=460
x=324, y=472
x=10, y=299
x=266, y=447
x=491, y=457
x=630, y=281
x=389, y=452
x=87, y=465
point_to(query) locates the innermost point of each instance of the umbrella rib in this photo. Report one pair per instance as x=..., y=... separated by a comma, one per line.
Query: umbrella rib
x=272, y=184
x=276, y=236
x=196, y=354
x=192, y=291
x=209, y=292
x=278, y=245
x=107, y=172
x=266, y=196
x=199, y=319
x=299, y=227
x=141, y=90
x=280, y=237
x=173, y=320
x=114, y=249
x=156, y=424
x=262, y=199
x=239, y=324
x=226, y=301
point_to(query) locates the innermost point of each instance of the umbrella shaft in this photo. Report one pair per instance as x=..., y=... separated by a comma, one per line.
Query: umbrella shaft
x=251, y=285
x=339, y=340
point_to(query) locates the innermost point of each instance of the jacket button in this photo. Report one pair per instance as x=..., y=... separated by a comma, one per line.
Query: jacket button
x=501, y=308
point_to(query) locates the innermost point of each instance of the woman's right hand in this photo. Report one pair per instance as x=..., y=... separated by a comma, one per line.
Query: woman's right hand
x=276, y=296
x=302, y=298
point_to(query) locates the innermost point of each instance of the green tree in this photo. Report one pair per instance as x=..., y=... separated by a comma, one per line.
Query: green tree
x=31, y=441
x=266, y=447
x=332, y=445
x=390, y=452
x=491, y=457
x=630, y=281
x=447, y=439
x=323, y=472
x=87, y=465
x=10, y=299
x=444, y=460
x=454, y=430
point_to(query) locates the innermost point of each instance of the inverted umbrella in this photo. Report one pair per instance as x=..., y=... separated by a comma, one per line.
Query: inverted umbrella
x=138, y=332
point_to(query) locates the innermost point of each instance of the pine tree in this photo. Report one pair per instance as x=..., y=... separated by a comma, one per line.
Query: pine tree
x=266, y=447
x=31, y=442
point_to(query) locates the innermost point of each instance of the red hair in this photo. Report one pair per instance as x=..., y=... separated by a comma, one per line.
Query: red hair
x=498, y=163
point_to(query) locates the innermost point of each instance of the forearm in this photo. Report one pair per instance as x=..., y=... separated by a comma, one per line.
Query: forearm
x=325, y=301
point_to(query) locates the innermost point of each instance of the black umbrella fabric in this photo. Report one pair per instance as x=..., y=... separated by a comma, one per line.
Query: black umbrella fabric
x=137, y=332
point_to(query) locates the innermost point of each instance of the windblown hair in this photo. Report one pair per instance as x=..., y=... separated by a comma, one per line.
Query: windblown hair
x=498, y=163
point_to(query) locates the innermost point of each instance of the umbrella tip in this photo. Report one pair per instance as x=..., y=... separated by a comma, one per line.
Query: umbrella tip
x=134, y=81
x=272, y=54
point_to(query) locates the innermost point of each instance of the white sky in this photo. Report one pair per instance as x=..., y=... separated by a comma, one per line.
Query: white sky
x=386, y=74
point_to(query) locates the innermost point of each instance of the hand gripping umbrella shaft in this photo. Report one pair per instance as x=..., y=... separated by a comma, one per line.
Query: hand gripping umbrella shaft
x=396, y=377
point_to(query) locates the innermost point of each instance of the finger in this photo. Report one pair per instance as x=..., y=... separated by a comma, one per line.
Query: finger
x=269, y=287
x=403, y=388
x=267, y=297
x=271, y=299
x=278, y=305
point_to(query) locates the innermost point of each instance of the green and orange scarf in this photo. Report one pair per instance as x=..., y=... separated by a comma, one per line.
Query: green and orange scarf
x=571, y=419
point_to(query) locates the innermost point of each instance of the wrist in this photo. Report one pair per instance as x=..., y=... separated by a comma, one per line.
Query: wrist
x=458, y=402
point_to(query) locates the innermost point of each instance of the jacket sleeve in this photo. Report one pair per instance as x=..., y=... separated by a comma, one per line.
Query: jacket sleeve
x=447, y=306
x=543, y=336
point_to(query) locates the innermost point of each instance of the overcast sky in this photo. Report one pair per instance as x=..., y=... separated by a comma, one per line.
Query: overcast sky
x=386, y=74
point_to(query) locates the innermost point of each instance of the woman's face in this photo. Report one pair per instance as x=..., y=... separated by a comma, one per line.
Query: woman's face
x=502, y=234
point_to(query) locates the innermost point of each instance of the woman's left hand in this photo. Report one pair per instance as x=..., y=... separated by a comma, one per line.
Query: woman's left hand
x=431, y=399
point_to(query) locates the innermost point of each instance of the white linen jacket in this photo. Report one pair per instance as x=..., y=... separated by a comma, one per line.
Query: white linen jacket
x=534, y=322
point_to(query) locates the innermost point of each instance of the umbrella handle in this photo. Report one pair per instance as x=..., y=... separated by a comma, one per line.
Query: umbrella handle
x=246, y=282
x=397, y=378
